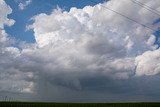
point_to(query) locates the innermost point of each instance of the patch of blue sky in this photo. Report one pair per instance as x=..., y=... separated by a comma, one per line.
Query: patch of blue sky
x=157, y=34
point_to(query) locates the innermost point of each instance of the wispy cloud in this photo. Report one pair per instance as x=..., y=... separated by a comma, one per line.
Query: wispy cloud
x=23, y=5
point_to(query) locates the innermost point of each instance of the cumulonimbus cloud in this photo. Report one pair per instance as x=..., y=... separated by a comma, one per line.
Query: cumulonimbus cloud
x=81, y=45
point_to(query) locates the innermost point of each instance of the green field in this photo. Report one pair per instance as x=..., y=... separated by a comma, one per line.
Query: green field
x=25, y=104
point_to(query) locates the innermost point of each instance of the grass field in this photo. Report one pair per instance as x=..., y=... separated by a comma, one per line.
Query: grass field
x=22, y=104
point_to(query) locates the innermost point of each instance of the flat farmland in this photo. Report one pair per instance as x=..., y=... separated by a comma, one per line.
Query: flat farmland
x=39, y=104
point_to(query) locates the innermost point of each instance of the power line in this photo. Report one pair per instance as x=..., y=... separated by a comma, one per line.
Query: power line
x=146, y=7
x=122, y=15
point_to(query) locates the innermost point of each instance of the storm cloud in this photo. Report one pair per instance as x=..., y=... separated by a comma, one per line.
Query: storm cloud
x=82, y=55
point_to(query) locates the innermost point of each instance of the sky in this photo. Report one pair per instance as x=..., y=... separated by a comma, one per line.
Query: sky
x=80, y=51
x=22, y=16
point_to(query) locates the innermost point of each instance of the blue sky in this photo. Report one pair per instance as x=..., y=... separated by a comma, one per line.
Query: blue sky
x=36, y=7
